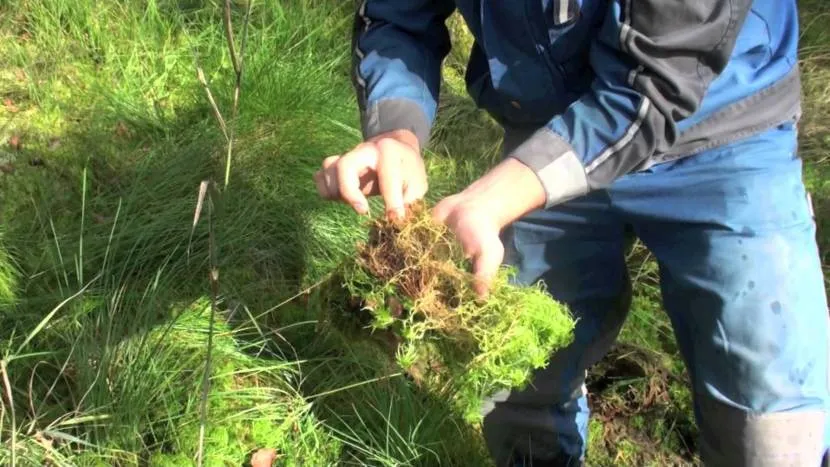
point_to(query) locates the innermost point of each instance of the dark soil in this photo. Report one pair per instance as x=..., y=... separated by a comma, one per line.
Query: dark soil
x=629, y=392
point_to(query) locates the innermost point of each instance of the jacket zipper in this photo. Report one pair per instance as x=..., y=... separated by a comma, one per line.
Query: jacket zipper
x=543, y=44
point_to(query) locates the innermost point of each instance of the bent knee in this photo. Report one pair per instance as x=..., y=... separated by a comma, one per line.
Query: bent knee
x=736, y=438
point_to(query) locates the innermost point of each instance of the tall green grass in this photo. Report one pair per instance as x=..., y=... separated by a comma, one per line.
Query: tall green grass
x=104, y=291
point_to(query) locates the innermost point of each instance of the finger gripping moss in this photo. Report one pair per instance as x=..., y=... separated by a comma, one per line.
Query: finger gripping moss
x=408, y=288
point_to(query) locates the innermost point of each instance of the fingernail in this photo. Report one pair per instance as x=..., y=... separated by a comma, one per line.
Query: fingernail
x=395, y=214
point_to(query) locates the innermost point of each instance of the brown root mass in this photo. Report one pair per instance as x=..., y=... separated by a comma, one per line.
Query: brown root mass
x=421, y=260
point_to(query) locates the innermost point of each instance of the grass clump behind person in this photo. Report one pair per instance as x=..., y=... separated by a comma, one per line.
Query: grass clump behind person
x=408, y=284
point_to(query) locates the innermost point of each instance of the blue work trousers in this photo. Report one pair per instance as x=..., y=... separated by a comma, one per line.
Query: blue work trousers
x=733, y=232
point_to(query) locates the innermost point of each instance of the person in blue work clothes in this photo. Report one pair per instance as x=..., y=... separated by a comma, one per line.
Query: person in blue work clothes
x=676, y=120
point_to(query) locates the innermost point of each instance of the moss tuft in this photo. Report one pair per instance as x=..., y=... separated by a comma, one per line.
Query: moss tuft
x=409, y=286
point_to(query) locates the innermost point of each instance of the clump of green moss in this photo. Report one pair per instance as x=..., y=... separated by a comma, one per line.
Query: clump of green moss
x=410, y=288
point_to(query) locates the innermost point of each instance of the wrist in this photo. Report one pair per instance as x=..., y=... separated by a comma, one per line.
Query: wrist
x=390, y=114
x=508, y=191
x=406, y=137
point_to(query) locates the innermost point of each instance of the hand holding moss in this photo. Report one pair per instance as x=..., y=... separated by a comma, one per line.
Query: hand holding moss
x=478, y=233
x=478, y=214
x=408, y=290
x=389, y=165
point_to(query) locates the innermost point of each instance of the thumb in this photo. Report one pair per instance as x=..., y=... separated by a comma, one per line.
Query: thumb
x=442, y=211
x=486, y=266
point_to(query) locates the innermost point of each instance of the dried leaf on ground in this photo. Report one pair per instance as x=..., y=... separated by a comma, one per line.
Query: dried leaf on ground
x=14, y=142
x=8, y=103
x=264, y=458
x=122, y=130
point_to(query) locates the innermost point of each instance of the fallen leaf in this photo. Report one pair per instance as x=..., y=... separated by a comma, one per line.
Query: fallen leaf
x=44, y=441
x=7, y=168
x=14, y=142
x=121, y=130
x=54, y=143
x=264, y=458
x=9, y=105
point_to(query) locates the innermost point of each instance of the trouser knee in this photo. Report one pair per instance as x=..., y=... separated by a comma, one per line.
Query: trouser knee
x=732, y=437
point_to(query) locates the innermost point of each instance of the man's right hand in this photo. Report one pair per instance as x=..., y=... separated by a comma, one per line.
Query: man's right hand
x=389, y=164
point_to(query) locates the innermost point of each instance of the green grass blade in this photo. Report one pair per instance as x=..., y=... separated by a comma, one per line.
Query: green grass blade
x=48, y=318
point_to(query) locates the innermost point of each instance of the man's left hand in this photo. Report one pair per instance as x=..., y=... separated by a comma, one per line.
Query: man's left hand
x=479, y=213
x=478, y=234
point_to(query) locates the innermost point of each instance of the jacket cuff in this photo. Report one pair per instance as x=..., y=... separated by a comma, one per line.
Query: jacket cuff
x=556, y=165
x=396, y=114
